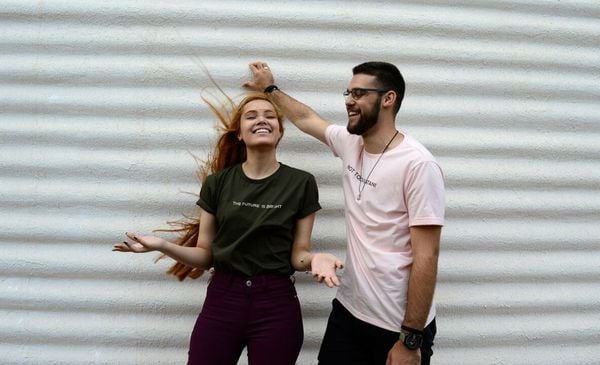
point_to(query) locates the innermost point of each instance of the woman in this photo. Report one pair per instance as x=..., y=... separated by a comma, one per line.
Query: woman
x=254, y=228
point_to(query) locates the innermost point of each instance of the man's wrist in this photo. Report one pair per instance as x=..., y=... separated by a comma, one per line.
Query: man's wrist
x=411, y=329
x=411, y=338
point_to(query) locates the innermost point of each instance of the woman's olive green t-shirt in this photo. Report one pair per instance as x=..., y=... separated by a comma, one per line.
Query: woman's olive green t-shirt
x=256, y=218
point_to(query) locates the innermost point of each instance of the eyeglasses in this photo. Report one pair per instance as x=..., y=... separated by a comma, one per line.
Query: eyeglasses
x=359, y=92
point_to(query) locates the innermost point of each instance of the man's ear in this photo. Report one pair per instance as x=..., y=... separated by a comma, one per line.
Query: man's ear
x=389, y=98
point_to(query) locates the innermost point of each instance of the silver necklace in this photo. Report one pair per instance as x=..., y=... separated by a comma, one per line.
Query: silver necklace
x=362, y=162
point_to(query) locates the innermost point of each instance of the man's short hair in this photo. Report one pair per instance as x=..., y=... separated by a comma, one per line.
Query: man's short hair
x=387, y=76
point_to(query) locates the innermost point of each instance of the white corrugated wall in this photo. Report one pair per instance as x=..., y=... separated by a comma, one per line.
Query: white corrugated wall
x=100, y=109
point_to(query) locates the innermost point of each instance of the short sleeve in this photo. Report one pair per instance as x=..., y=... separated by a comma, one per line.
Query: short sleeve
x=333, y=136
x=310, y=198
x=425, y=195
x=208, y=198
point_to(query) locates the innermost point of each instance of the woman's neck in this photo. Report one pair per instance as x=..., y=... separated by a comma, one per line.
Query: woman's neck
x=260, y=166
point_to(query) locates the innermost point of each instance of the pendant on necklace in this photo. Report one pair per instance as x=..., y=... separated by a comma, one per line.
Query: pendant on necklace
x=362, y=162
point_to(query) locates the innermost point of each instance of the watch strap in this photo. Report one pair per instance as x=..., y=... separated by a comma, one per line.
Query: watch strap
x=413, y=330
x=270, y=89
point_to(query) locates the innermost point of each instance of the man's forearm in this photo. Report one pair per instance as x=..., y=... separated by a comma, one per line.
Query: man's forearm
x=303, y=117
x=425, y=242
x=421, y=288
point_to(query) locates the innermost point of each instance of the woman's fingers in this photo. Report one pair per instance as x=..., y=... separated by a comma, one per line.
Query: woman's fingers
x=335, y=281
x=329, y=280
x=136, y=247
x=122, y=247
x=131, y=236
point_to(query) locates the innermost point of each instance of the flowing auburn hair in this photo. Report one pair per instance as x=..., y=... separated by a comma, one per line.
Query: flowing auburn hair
x=228, y=151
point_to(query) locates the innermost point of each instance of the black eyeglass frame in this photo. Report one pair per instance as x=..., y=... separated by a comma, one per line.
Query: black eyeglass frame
x=359, y=92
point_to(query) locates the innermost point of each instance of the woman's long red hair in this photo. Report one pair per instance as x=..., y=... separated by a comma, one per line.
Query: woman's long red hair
x=228, y=152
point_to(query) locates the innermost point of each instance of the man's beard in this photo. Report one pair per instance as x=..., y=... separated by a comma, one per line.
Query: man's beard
x=367, y=120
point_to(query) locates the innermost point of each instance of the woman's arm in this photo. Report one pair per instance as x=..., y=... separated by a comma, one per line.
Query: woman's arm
x=301, y=256
x=199, y=256
x=322, y=265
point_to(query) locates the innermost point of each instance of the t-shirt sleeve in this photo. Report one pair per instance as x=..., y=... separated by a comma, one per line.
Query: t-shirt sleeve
x=333, y=135
x=425, y=195
x=310, y=198
x=208, y=199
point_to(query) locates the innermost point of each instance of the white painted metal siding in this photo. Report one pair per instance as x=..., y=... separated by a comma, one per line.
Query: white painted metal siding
x=100, y=108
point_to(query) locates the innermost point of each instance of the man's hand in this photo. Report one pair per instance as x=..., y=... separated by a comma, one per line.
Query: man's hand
x=261, y=77
x=400, y=355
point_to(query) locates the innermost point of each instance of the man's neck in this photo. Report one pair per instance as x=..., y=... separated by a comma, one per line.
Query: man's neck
x=376, y=139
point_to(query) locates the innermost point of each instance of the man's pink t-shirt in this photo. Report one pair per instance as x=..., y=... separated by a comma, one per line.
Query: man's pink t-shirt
x=404, y=189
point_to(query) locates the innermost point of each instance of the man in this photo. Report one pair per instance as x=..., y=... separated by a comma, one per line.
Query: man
x=383, y=312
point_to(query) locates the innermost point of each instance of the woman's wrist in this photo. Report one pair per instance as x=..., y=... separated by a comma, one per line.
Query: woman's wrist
x=165, y=246
x=305, y=261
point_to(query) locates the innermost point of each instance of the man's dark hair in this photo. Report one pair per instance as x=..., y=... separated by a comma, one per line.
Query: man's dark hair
x=387, y=76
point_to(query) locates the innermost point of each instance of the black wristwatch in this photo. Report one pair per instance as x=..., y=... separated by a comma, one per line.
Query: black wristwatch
x=412, y=339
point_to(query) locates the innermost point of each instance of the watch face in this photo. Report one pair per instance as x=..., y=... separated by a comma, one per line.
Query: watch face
x=411, y=340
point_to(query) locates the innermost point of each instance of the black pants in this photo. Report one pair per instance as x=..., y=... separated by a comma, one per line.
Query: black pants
x=348, y=340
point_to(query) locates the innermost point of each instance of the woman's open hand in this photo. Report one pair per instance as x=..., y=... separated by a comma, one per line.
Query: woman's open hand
x=139, y=244
x=323, y=267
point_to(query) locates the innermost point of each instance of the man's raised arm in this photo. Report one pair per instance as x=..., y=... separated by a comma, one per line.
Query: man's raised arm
x=303, y=117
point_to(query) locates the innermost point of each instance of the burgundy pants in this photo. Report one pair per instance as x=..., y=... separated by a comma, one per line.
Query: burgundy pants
x=261, y=313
